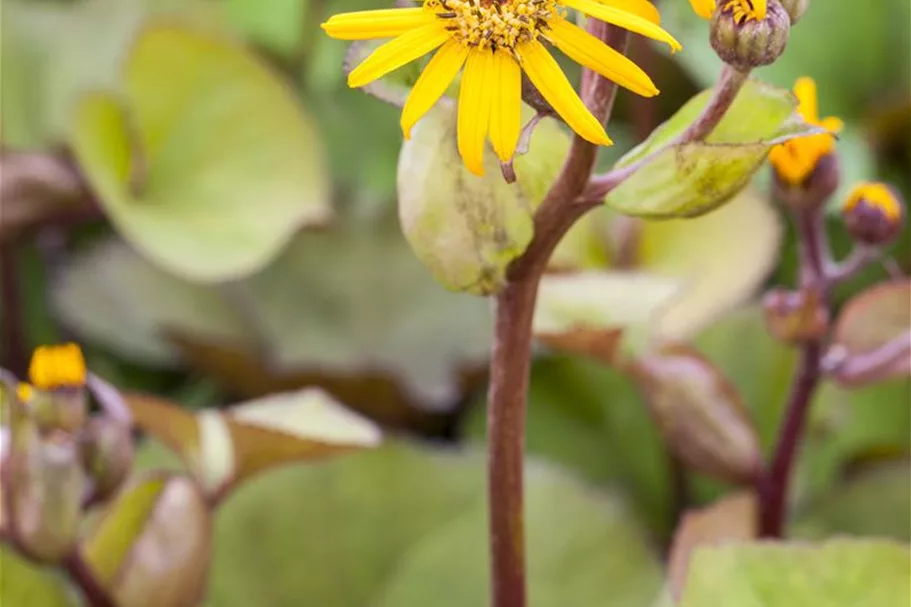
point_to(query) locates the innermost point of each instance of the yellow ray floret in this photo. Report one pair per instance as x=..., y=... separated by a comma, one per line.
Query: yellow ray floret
x=491, y=42
x=877, y=195
x=703, y=8
x=796, y=159
x=57, y=367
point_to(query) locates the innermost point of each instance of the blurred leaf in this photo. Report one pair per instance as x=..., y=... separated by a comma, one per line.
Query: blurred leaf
x=879, y=315
x=206, y=131
x=108, y=294
x=151, y=548
x=873, y=502
x=691, y=179
x=373, y=310
x=224, y=448
x=730, y=519
x=25, y=585
x=700, y=413
x=722, y=257
x=278, y=25
x=411, y=515
x=832, y=574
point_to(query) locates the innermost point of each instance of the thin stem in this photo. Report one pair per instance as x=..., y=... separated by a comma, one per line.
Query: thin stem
x=859, y=259
x=773, y=484
x=725, y=92
x=511, y=355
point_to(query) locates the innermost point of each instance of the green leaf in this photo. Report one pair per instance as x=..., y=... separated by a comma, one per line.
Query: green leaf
x=722, y=258
x=415, y=519
x=833, y=574
x=206, y=131
x=25, y=585
x=110, y=295
x=873, y=502
x=686, y=180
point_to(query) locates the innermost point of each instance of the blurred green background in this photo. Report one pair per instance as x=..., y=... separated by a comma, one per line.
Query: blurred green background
x=216, y=285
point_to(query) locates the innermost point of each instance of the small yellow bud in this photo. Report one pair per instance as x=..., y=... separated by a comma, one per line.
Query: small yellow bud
x=873, y=213
x=24, y=392
x=61, y=366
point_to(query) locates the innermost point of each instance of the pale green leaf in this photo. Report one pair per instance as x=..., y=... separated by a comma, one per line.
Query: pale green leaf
x=25, y=585
x=210, y=166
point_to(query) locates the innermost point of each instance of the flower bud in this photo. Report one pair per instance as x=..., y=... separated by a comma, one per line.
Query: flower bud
x=813, y=190
x=873, y=213
x=795, y=317
x=106, y=447
x=46, y=488
x=700, y=414
x=795, y=8
x=744, y=39
x=63, y=409
x=152, y=546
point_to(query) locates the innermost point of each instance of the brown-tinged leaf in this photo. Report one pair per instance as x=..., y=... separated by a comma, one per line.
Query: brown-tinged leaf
x=152, y=546
x=175, y=427
x=732, y=518
x=876, y=321
x=700, y=413
x=599, y=344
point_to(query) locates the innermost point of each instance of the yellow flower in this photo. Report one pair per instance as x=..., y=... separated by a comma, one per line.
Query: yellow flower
x=877, y=196
x=742, y=9
x=797, y=158
x=491, y=42
x=57, y=367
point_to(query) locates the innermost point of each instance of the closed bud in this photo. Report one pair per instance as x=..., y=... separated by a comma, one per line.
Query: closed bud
x=152, y=546
x=822, y=181
x=873, y=214
x=795, y=317
x=63, y=409
x=46, y=488
x=106, y=447
x=699, y=413
x=795, y=8
x=746, y=39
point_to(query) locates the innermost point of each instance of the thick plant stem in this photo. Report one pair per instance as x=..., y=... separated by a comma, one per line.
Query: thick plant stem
x=510, y=363
x=773, y=485
x=729, y=84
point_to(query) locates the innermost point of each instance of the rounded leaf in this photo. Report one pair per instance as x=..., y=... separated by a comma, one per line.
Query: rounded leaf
x=204, y=131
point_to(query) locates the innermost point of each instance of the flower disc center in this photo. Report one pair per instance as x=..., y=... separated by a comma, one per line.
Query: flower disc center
x=494, y=24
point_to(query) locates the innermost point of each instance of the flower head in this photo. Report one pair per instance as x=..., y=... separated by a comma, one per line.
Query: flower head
x=873, y=213
x=57, y=367
x=491, y=42
x=741, y=9
x=795, y=160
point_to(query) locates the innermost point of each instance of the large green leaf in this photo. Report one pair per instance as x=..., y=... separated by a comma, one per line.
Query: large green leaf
x=208, y=166
x=839, y=573
x=406, y=526
x=25, y=585
x=690, y=179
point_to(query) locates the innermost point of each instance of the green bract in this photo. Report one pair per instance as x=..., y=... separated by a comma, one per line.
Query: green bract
x=690, y=179
x=205, y=163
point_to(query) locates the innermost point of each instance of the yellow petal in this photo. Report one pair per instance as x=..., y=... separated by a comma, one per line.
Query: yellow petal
x=587, y=50
x=432, y=83
x=475, y=96
x=704, y=8
x=548, y=78
x=832, y=124
x=805, y=90
x=366, y=25
x=759, y=7
x=623, y=18
x=506, y=105
x=643, y=8
x=397, y=52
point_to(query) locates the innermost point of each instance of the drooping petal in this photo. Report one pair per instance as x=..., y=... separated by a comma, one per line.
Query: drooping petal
x=805, y=90
x=643, y=8
x=623, y=18
x=548, y=78
x=704, y=8
x=587, y=50
x=432, y=83
x=397, y=52
x=475, y=96
x=506, y=105
x=367, y=25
